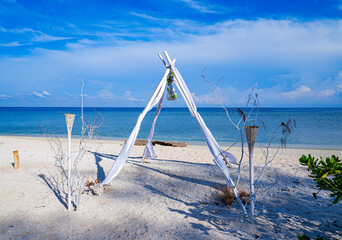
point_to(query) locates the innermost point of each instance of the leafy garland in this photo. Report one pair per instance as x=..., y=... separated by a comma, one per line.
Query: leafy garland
x=169, y=83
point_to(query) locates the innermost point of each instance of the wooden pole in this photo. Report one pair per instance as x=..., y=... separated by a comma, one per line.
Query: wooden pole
x=161, y=58
x=251, y=133
x=69, y=120
x=16, y=159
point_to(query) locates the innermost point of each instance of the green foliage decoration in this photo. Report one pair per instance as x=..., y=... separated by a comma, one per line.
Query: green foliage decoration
x=169, y=81
x=326, y=173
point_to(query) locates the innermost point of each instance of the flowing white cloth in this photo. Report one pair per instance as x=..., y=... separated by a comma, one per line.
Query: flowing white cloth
x=221, y=158
x=149, y=152
x=157, y=96
x=120, y=161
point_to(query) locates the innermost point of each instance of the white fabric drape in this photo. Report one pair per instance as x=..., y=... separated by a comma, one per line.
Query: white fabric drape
x=221, y=157
x=157, y=96
x=149, y=152
x=120, y=161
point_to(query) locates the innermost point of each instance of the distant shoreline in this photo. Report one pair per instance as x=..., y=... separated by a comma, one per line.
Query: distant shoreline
x=191, y=143
x=164, y=107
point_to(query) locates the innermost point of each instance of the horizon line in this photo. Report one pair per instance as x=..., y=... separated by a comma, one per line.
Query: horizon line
x=185, y=107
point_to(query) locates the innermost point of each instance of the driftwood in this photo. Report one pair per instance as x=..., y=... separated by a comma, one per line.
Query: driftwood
x=142, y=142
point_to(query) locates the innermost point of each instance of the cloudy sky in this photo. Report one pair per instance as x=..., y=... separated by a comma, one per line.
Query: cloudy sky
x=291, y=51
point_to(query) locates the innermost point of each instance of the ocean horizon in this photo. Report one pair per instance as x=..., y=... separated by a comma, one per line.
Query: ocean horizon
x=319, y=128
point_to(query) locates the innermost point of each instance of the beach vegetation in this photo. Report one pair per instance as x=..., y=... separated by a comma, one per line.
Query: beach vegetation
x=326, y=173
x=94, y=187
x=227, y=197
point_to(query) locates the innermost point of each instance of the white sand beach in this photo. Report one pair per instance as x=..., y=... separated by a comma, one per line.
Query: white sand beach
x=166, y=198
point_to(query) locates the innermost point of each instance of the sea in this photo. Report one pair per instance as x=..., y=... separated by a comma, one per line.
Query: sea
x=319, y=128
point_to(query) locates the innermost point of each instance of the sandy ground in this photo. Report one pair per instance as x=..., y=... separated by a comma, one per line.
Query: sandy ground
x=166, y=198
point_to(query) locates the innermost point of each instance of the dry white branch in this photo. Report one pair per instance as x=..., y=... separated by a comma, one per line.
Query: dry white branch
x=88, y=132
x=252, y=106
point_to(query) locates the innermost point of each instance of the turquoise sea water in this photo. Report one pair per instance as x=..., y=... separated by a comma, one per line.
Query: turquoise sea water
x=316, y=127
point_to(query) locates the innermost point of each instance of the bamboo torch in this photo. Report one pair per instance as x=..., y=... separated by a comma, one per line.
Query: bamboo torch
x=69, y=120
x=251, y=133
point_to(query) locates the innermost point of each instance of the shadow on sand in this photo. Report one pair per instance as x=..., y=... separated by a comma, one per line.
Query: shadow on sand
x=55, y=187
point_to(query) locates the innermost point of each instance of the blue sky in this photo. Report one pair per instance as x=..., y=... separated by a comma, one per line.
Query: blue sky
x=291, y=51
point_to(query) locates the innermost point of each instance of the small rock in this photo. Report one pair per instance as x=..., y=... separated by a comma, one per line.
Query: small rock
x=141, y=231
x=218, y=221
x=299, y=181
x=97, y=189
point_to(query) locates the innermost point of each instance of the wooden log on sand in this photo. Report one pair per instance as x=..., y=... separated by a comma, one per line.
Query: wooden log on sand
x=142, y=142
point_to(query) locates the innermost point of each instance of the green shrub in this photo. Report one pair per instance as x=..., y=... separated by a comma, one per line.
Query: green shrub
x=327, y=174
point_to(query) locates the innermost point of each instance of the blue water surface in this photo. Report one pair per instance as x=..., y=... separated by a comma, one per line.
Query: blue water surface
x=316, y=127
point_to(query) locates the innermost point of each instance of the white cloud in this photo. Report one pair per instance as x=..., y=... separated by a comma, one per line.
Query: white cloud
x=105, y=94
x=205, y=98
x=128, y=97
x=199, y=6
x=29, y=35
x=42, y=37
x=228, y=95
x=38, y=94
x=298, y=92
x=306, y=53
x=69, y=94
x=4, y=97
x=41, y=95
x=11, y=44
x=326, y=93
x=142, y=15
x=17, y=30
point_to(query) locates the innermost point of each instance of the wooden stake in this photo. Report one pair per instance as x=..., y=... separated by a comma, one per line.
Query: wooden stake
x=16, y=159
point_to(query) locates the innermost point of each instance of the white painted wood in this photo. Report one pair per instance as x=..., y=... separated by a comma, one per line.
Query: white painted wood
x=251, y=133
x=161, y=58
x=69, y=120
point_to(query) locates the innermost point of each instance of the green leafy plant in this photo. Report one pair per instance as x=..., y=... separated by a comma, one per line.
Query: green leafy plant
x=326, y=173
x=170, y=89
x=169, y=79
